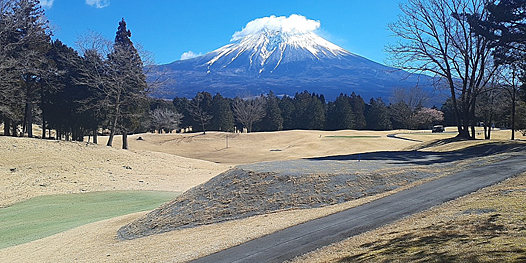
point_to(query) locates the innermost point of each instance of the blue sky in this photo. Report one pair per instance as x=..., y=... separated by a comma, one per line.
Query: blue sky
x=170, y=28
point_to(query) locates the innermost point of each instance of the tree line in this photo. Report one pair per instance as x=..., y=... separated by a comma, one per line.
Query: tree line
x=304, y=110
x=476, y=49
x=46, y=82
x=472, y=47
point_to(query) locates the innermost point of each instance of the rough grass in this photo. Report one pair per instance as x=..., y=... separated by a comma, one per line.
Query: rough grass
x=44, y=216
x=353, y=137
x=487, y=226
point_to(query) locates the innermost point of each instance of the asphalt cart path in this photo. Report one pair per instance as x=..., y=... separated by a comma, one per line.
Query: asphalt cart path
x=298, y=240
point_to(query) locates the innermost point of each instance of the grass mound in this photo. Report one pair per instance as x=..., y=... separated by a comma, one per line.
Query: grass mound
x=44, y=216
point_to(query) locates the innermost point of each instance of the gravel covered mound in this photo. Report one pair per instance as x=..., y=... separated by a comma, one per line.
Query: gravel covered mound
x=267, y=187
x=240, y=193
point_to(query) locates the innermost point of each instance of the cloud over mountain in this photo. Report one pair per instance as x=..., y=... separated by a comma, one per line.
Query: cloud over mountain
x=292, y=24
x=46, y=3
x=190, y=54
x=285, y=55
x=98, y=3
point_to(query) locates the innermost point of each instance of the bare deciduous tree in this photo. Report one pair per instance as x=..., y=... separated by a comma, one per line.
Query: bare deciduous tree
x=249, y=111
x=426, y=116
x=196, y=108
x=435, y=38
x=165, y=119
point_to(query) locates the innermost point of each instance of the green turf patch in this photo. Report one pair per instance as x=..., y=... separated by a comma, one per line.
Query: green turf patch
x=44, y=216
x=353, y=137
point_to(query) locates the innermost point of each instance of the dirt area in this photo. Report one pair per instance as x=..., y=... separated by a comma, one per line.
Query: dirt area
x=153, y=161
x=33, y=167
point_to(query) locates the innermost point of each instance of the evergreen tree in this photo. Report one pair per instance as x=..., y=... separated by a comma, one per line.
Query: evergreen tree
x=199, y=108
x=64, y=104
x=222, y=115
x=377, y=115
x=358, y=110
x=505, y=27
x=126, y=88
x=287, y=108
x=302, y=101
x=24, y=41
x=340, y=114
x=182, y=105
x=273, y=121
x=449, y=113
x=315, y=114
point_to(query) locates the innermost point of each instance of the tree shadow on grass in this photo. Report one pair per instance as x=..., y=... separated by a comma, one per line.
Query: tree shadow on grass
x=425, y=158
x=424, y=245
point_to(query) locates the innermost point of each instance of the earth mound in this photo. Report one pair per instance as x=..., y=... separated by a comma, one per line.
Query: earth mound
x=268, y=187
x=240, y=193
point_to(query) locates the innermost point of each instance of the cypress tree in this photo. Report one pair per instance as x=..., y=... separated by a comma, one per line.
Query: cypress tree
x=339, y=114
x=358, y=110
x=127, y=85
x=377, y=115
x=273, y=121
x=222, y=115
x=286, y=105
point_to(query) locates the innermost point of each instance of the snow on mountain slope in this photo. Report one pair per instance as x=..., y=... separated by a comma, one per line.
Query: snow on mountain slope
x=266, y=50
x=285, y=55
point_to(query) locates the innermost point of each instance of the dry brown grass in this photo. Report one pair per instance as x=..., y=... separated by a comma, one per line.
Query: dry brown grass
x=487, y=226
x=153, y=159
x=269, y=146
x=33, y=167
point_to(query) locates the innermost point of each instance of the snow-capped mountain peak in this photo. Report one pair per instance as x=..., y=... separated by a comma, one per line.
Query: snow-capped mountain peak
x=272, y=44
x=285, y=55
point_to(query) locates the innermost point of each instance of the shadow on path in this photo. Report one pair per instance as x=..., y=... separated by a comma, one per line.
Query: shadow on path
x=395, y=136
x=424, y=157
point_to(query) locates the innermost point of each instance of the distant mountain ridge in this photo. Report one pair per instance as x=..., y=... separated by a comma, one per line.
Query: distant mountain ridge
x=286, y=63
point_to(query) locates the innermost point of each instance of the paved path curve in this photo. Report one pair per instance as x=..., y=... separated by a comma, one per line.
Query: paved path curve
x=298, y=240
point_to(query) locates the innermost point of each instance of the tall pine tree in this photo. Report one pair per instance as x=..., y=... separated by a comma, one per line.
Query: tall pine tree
x=222, y=115
x=126, y=87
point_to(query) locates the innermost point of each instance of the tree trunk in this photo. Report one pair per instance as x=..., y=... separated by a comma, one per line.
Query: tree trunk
x=95, y=137
x=14, y=131
x=24, y=123
x=29, y=114
x=43, y=127
x=113, y=128
x=513, y=115
x=6, y=127
x=125, y=139
x=472, y=119
x=114, y=124
x=43, y=113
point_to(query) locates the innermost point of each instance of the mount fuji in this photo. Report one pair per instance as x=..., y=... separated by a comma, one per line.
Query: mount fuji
x=284, y=55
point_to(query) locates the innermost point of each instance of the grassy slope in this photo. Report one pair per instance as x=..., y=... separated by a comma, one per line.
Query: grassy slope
x=486, y=226
x=47, y=215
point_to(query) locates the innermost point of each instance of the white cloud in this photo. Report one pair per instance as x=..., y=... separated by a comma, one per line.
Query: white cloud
x=190, y=54
x=46, y=3
x=98, y=3
x=292, y=24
